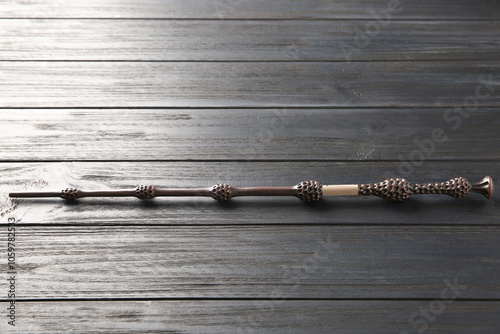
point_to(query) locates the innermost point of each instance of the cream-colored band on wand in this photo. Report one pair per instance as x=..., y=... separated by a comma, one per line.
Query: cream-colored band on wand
x=341, y=190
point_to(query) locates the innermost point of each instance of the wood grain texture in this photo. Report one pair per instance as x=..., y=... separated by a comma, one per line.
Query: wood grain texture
x=421, y=209
x=180, y=40
x=261, y=9
x=257, y=134
x=254, y=84
x=283, y=316
x=256, y=261
x=115, y=93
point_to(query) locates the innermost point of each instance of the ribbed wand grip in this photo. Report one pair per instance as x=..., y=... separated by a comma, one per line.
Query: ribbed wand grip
x=399, y=189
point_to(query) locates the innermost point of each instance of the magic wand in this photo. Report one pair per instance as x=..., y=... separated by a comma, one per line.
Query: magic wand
x=394, y=189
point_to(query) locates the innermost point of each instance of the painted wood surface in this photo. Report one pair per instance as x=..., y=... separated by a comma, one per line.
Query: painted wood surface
x=283, y=316
x=255, y=134
x=261, y=9
x=244, y=40
x=254, y=262
x=252, y=84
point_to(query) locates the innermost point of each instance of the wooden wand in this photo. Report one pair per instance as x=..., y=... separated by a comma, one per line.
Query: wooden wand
x=396, y=189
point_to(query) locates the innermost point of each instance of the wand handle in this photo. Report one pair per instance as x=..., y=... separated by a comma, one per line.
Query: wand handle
x=396, y=189
x=400, y=189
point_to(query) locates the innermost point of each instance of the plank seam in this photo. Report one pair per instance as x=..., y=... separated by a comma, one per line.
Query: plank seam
x=242, y=299
x=305, y=19
x=238, y=60
x=350, y=224
x=475, y=160
x=294, y=107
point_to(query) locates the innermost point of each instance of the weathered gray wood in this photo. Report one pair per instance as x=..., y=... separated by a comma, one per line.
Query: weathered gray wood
x=180, y=40
x=283, y=316
x=423, y=209
x=254, y=84
x=283, y=9
x=250, y=248
x=256, y=261
x=270, y=134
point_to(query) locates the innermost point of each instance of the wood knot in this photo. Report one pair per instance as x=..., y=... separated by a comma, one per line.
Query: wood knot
x=309, y=191
x=70, y=194
x=145, y=192
x=395, y=190
x=458, y=187
x=221, y=192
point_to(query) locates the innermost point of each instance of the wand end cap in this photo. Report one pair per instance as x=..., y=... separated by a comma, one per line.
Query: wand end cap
x=484, y=187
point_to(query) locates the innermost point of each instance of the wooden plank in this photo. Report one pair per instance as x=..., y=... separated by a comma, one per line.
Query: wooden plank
x=256, y=261
x=262, y=134
x=178, y=40
x=253, y=84
x=284, y=316
x=224, y=9
x=423, y=209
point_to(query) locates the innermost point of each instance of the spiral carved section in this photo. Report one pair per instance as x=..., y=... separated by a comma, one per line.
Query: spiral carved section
x=70, y=194
x=221, y=192
x=145, y=192
x=457, y=187
x=396, y=190
x=309, y=191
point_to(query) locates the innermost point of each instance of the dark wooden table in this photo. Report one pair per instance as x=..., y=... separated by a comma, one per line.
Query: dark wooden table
x=115, y=93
